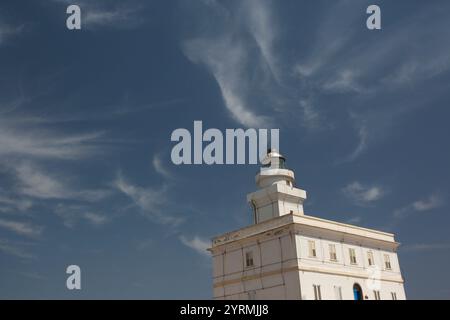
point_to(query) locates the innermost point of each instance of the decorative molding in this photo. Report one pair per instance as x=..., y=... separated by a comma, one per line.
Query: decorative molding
x=299, y=269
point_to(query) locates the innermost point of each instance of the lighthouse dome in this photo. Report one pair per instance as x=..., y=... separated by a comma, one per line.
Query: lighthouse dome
x=273, y=170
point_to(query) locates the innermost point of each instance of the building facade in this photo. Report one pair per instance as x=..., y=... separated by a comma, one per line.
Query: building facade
x=286, y=254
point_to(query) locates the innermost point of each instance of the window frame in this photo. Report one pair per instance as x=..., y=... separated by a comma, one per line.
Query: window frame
x=248, y=259
x=352, y=256
x=332, y=252
x=317, y=292
x=370, y=258
x=377, y=294
x=312, y=251
x=387, y=262
x=338, y=292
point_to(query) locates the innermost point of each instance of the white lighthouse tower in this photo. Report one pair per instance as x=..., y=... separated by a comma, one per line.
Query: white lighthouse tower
x=286, y=254
x=277, y=195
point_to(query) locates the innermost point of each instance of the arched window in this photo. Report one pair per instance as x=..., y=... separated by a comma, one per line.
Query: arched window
x=357, y=292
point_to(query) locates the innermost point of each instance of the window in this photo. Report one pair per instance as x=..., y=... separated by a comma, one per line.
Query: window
x=317, y=293
x=394, y=296
x=249, y=259
x=376, y=293
x=352, y=254
x=370, y=258
x=333, y=256
x=387, y=262
x=312, y=249
x=338, y=292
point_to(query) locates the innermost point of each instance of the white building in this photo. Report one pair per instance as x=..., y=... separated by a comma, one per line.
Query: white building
x=289, y=255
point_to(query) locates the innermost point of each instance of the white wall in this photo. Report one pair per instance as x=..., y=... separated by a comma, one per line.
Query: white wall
x=270, y=257
x=290, y=272
x=327, y=283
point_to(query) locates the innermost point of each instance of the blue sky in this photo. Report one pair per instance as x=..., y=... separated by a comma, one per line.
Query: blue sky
x=86, y=118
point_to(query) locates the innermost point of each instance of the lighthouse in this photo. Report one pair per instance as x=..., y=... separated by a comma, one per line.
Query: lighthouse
x=287, y=254
x=277, y=194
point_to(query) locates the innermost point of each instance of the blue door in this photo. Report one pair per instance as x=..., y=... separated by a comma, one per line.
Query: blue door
x=357, y=292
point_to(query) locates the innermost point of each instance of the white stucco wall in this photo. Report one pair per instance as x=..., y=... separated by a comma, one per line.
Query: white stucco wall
x=283, y=268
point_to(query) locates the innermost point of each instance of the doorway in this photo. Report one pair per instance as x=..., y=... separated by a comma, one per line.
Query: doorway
x=357, y=292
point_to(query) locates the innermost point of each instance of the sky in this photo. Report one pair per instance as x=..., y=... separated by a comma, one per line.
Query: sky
x=86, y=117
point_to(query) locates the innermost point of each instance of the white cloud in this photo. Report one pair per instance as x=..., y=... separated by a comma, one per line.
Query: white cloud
x=196, y=243
x=433, y=201
x=28, y=146
x=10, y=204
x=373, y=76
x=261, y=25
x=18, y=140
x=160, y=168
x=117, y=17
x=25, y=142
x=363, y=136
x=72, y=215
x=21, y=228
x=146, y=199
x=344, y=81
x=98, y=14
x=152, y=202
x=362, y=194
x=226, y=60
x=35, y=182
x=311, y=118
x=240, y=55
x=95, y=218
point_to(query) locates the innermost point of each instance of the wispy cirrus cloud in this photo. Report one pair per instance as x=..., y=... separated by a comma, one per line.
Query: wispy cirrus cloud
x=119, y=16
x=152, y=202
x=73, y=214
x=34, y=182
x=372, y=80
x=433, y=201
x=159, y=166
x=262, y=25
x=362, y=194
x=27, y=145
x=10, y=204
x=95, y=218
x=158, y=205
x=19, y=139
x=226, y=61
x=21, y=228
x=240, y=57
x=196, y=243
